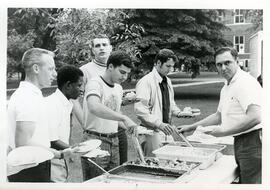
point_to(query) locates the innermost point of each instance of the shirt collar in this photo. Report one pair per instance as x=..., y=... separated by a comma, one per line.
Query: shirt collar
x=31, y=86
x=236, y=76
x=99, y=63
x=157, y=75
x=63, y=98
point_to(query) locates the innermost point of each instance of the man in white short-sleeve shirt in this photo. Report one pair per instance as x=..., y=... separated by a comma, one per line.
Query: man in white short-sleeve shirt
x=59, y=107
x=238, y=114
x=27, y=119
x=103, y=100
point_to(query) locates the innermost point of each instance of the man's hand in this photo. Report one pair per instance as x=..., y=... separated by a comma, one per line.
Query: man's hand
x=186, y=129
x=166, y=128
x=133, y=131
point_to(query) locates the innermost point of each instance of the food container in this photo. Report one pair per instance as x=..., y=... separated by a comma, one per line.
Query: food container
x=206, y=156
x=166, y=164
x=138, y=174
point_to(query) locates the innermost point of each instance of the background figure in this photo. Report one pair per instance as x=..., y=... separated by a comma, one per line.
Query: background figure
x=69, y=82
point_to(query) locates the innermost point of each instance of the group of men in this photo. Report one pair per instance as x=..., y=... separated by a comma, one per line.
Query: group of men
x=99, y=113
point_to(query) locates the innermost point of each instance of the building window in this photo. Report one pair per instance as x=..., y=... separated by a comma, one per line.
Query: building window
x=239, y=44
x=239, y=16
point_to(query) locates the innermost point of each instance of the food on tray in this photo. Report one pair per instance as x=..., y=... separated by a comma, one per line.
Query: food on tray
x=166, y=163
x=130, y=95
x=189, y=112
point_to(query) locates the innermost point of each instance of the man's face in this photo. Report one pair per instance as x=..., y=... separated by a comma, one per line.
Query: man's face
x=101, y=49
x=46, y=71
x=166, y=67
x=119, y=74
x=226, y=65
x=76, y=88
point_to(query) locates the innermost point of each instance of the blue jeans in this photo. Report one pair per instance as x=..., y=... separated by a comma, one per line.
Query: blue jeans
x=248, y=156
x=107, y=162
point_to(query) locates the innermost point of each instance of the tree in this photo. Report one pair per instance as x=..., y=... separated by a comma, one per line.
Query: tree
x=193, y=34
x=29, y=28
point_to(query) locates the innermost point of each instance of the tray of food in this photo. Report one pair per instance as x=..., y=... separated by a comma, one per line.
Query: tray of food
x=129, y=173
x=206, y=156
x=174, y=165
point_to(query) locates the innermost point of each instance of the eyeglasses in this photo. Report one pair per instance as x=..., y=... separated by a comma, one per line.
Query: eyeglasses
x=225, y=63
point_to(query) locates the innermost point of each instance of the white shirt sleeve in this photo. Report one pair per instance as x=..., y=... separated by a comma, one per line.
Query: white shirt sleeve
x=249, y=94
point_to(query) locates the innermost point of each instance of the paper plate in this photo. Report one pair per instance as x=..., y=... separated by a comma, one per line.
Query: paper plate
x=28, y=155
x=88, y=145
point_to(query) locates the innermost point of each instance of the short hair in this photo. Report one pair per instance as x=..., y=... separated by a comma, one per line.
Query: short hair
x=164, y=55
x=68, y=73
x=232, y=50
x=98, y=36
x=118, y=58
x=33, y=56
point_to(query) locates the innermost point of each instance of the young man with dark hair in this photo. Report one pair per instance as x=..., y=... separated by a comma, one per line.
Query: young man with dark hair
x=157, y=105
x=103, y=97
x=238, y=114
x=59, y=107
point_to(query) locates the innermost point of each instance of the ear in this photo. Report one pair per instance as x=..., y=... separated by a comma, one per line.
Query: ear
x=110, y=67
x=68, y=84
x=158, y=63
x=35, y=68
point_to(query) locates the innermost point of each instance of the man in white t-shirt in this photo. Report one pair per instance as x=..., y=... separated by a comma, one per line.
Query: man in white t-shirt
x=27, y=119
x=238, y=114
x=103, y=100
x=100, y=49
x=69, y=82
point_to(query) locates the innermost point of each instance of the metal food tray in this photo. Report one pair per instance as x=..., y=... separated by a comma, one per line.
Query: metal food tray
x=138, y=174
x=217, y=147
x=193, y=154
x=167, y=168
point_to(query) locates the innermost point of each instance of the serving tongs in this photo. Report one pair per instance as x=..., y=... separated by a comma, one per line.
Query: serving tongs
x=183, y=138
x=138, y=148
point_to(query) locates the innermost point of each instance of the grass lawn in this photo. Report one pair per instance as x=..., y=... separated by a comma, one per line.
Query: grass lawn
x=204, y=97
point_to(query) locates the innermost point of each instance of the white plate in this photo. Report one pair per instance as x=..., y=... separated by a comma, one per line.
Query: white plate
x=88, y=145
x=28, y=155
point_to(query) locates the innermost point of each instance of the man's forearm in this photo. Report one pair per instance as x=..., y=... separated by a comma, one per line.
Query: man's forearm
x=104, y=112
x=78, y=111
x=214, y=119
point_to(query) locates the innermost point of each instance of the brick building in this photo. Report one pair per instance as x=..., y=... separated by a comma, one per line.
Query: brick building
x=240, y=34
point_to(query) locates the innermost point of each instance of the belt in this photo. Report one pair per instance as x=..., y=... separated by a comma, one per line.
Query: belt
x=108, y=135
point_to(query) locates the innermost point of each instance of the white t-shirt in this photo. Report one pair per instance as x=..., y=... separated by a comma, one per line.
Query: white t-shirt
x=235, y=98
x=91, y=70
x=27, y=104
x=59, y=109
x=111, y=96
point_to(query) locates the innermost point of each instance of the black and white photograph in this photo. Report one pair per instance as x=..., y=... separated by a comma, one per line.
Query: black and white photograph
x=135, y=97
